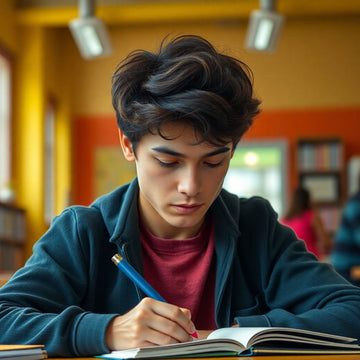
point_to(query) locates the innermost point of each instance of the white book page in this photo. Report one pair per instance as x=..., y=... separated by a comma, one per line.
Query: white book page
x=122, y=354
x=240, y=334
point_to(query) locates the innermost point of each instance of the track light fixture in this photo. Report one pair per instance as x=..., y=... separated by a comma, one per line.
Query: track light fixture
x=264, y=27
x=90, y=33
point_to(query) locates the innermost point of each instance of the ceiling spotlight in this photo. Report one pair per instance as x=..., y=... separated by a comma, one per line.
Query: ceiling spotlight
x=90, y=33
x=264, y=28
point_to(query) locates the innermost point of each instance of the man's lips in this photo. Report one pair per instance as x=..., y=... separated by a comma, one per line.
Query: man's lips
x=187, y=208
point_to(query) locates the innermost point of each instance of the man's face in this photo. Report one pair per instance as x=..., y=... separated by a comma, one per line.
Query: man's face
x=178, y=178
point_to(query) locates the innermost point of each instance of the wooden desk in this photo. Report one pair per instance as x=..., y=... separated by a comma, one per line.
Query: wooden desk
x=280, y=357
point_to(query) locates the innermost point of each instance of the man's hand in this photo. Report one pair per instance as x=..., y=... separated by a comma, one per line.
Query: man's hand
x=151, y=322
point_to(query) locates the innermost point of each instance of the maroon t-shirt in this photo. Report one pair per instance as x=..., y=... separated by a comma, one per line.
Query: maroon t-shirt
x=183, y=272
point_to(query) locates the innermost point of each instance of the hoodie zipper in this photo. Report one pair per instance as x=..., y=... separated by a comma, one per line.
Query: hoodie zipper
x=126, y=257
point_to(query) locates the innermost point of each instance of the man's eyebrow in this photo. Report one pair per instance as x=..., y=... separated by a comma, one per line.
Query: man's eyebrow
x=166, y=150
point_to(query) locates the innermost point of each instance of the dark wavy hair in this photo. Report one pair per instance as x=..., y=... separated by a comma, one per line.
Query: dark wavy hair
x=187, y=81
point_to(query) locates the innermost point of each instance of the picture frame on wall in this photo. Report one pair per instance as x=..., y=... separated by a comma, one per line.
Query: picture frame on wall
x=324, y=188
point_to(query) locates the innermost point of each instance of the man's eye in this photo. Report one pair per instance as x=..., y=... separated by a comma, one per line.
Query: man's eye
x=167, y=164
x=213, y=165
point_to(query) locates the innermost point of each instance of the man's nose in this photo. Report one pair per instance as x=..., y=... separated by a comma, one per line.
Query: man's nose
x=189, y=182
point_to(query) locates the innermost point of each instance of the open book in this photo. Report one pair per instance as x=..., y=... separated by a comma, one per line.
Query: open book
x=245, y=342
x=22, y=352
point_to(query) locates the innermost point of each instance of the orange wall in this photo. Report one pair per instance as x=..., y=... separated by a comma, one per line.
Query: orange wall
x=89, y=133
x=92, y=132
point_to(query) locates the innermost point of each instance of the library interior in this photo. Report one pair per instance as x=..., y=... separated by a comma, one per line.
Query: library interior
x=59, y=142
x=59, y=147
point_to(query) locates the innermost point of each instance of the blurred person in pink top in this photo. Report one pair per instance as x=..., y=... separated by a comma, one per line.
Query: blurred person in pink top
x=305, y=220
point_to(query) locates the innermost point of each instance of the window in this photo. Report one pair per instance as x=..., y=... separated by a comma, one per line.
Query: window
x=5, y=135
x=49, y=165
x=259, y=168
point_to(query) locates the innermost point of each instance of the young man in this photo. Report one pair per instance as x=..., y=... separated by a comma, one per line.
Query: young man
x=217, y=260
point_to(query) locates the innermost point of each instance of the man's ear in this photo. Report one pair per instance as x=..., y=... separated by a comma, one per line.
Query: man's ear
x=126, y=147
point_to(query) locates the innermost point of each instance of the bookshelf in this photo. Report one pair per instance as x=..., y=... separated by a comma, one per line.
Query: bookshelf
x=321, y=169
x=12, y=237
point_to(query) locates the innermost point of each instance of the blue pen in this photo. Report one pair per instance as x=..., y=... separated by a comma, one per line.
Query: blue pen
x=134, y=276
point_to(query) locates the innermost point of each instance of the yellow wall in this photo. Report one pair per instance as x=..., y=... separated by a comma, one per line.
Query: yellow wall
x=316, y=65
x=28, y=128
x=58, y=81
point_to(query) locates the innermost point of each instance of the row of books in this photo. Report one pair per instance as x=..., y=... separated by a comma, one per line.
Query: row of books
x=322, y=156
x=330, y=217
x=12, y=223
x=11, y=257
